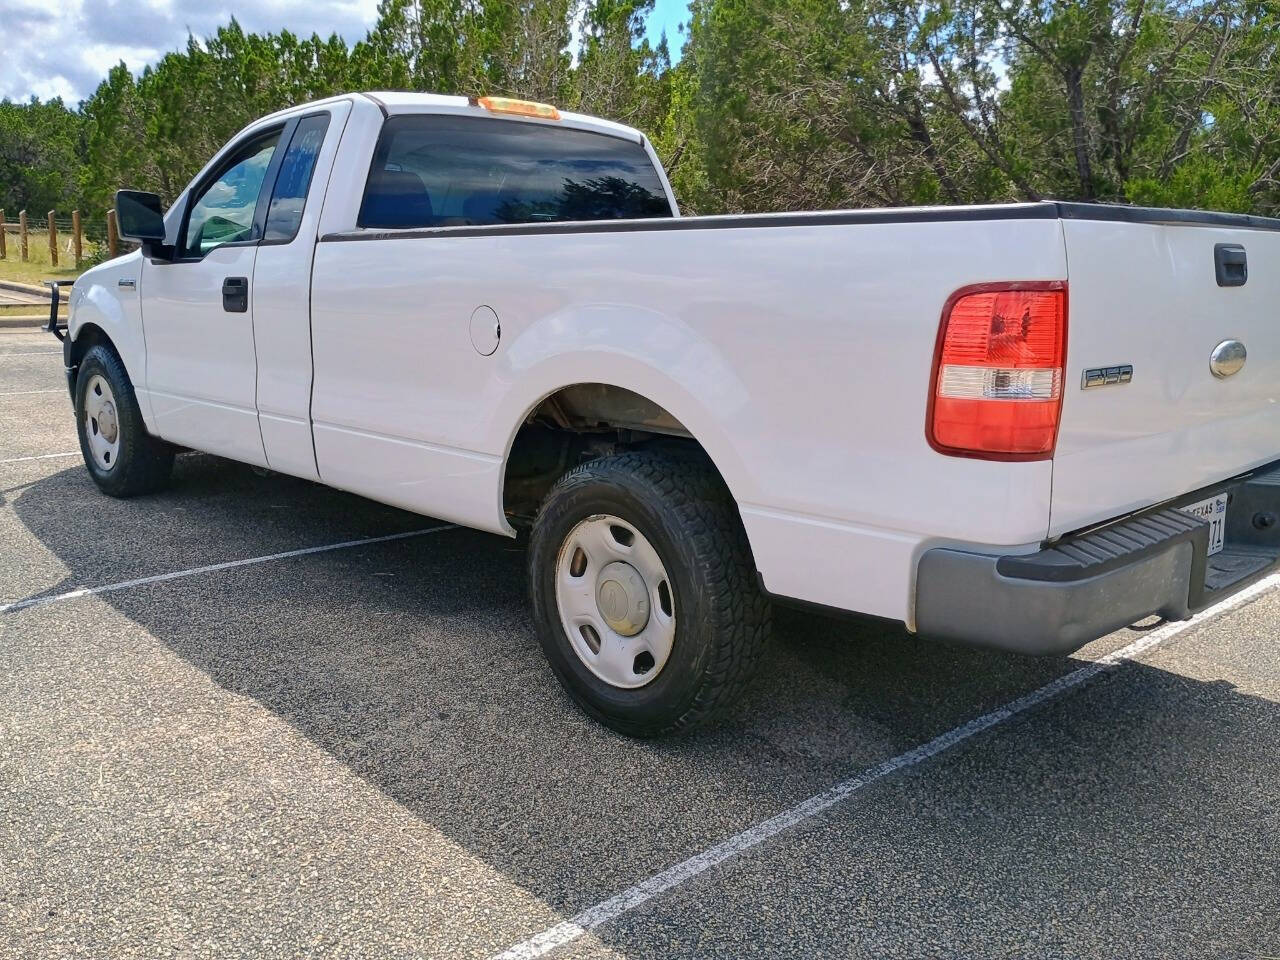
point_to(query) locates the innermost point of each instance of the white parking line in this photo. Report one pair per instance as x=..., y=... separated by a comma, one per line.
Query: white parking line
x=27, y=393
x=211, y=568
x=646, y=890
x=32, y=353
x=43, y=456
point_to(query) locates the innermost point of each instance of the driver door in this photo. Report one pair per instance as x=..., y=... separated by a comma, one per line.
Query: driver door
x=197, y=310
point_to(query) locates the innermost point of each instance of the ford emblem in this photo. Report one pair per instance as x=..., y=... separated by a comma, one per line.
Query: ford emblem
x=1227, y=359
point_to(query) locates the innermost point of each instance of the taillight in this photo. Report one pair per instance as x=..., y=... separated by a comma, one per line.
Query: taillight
x=997, y=382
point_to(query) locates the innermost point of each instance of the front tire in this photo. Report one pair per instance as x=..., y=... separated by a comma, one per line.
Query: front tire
x=123, y=459
x=644, y=592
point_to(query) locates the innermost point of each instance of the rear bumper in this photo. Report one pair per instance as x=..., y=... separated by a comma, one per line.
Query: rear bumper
x=1084, y=586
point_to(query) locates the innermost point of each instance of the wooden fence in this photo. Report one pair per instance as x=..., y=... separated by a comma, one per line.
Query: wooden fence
x=68, y=238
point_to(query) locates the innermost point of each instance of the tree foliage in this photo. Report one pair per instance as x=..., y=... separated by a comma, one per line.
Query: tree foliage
x=772, y=105
x=816, y=103
x=40, y=149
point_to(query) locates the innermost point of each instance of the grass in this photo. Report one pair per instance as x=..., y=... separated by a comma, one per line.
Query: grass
x=28, y=310
x=37, y=269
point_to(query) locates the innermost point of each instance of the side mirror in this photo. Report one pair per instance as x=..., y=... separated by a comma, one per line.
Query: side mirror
x=140, y=217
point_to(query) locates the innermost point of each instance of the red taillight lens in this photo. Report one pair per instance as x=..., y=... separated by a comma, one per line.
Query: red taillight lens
x=997, y=386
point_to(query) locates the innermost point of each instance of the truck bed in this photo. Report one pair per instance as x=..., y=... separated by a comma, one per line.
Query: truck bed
x=797, y=348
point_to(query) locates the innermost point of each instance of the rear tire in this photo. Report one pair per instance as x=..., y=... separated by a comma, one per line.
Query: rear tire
x=652, y=545
x=123, y=458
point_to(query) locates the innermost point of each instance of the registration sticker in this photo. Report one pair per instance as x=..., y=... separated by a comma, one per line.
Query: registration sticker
x=1213, y=510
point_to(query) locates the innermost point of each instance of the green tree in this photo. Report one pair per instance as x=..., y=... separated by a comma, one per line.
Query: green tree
x=821, y=103
x=41, y=147
x=619, y=75
x=154, y=132
x=849, y=102
x=774, y=104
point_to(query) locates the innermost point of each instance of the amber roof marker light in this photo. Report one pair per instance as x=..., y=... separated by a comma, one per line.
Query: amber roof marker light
x=518, y=108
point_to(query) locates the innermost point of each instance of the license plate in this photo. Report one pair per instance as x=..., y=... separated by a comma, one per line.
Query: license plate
x=1215, y=511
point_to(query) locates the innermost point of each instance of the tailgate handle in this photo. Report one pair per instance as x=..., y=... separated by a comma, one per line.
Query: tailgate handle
x=1231, y=264
x=235, y=294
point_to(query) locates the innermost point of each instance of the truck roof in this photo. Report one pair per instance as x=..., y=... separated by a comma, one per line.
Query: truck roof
x=395, y=102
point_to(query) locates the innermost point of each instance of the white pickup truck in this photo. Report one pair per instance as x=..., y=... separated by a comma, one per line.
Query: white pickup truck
x=1017, y=426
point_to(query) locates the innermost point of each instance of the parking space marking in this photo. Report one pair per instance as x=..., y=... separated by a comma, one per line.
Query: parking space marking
x=26, y=393
x=32, y=353
x=43, y=456
x=646, y=890
x=213, y=568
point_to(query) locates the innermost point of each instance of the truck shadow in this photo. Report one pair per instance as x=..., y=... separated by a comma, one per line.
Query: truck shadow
x=414, y=663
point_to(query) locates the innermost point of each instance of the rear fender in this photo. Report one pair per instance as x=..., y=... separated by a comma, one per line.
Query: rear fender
x=659, y=358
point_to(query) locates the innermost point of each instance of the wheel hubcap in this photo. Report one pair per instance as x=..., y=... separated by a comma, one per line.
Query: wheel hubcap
x=623, y=598
x=107, y=425
x=101, y=422
x=615, y=601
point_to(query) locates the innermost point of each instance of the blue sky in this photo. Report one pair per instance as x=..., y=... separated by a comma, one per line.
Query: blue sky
x=668, y=15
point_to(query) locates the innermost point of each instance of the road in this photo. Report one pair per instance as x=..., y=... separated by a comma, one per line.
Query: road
x=359, y=752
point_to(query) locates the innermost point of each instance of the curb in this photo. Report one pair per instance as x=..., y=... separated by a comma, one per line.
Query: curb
x=23, y=323
x=31, y=288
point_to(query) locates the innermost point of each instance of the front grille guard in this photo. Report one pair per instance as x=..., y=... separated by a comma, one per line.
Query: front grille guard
x=58, y=329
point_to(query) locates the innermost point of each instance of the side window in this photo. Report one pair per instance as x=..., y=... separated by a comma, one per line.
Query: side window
x=223, y=211
x=299, y=163
x=441, y=170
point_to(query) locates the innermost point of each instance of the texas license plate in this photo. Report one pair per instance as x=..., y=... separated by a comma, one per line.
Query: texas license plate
x=1213, y=510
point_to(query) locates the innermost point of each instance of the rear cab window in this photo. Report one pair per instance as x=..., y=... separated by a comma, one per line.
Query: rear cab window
x=437, y=170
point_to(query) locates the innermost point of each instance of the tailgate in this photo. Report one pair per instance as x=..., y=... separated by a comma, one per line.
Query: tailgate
x=1145, y=292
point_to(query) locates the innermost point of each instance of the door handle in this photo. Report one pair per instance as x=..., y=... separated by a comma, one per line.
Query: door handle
x=235, y=294
x=1231, y=264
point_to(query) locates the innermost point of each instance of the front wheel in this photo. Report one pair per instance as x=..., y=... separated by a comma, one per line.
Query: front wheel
x=123, y=459
x=644, y=592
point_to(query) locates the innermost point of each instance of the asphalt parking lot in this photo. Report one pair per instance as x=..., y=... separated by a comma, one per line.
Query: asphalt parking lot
x=359, y=751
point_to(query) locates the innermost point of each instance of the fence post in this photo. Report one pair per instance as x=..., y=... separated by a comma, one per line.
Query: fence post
x=77, y=237
x=53, y=240
x=3, y=252
x=113, y=235
x=22, y=234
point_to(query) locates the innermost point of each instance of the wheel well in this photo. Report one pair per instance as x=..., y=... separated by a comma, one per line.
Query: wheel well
x=90, y=336
x=579, y=423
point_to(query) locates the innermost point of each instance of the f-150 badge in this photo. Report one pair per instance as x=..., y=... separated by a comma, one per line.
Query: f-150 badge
x=1106, y=376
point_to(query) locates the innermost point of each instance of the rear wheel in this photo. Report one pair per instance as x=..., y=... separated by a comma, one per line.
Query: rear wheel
x=645, y=593
x=123, y=459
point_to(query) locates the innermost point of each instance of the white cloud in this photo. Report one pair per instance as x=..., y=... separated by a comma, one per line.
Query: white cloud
x=65, y=49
